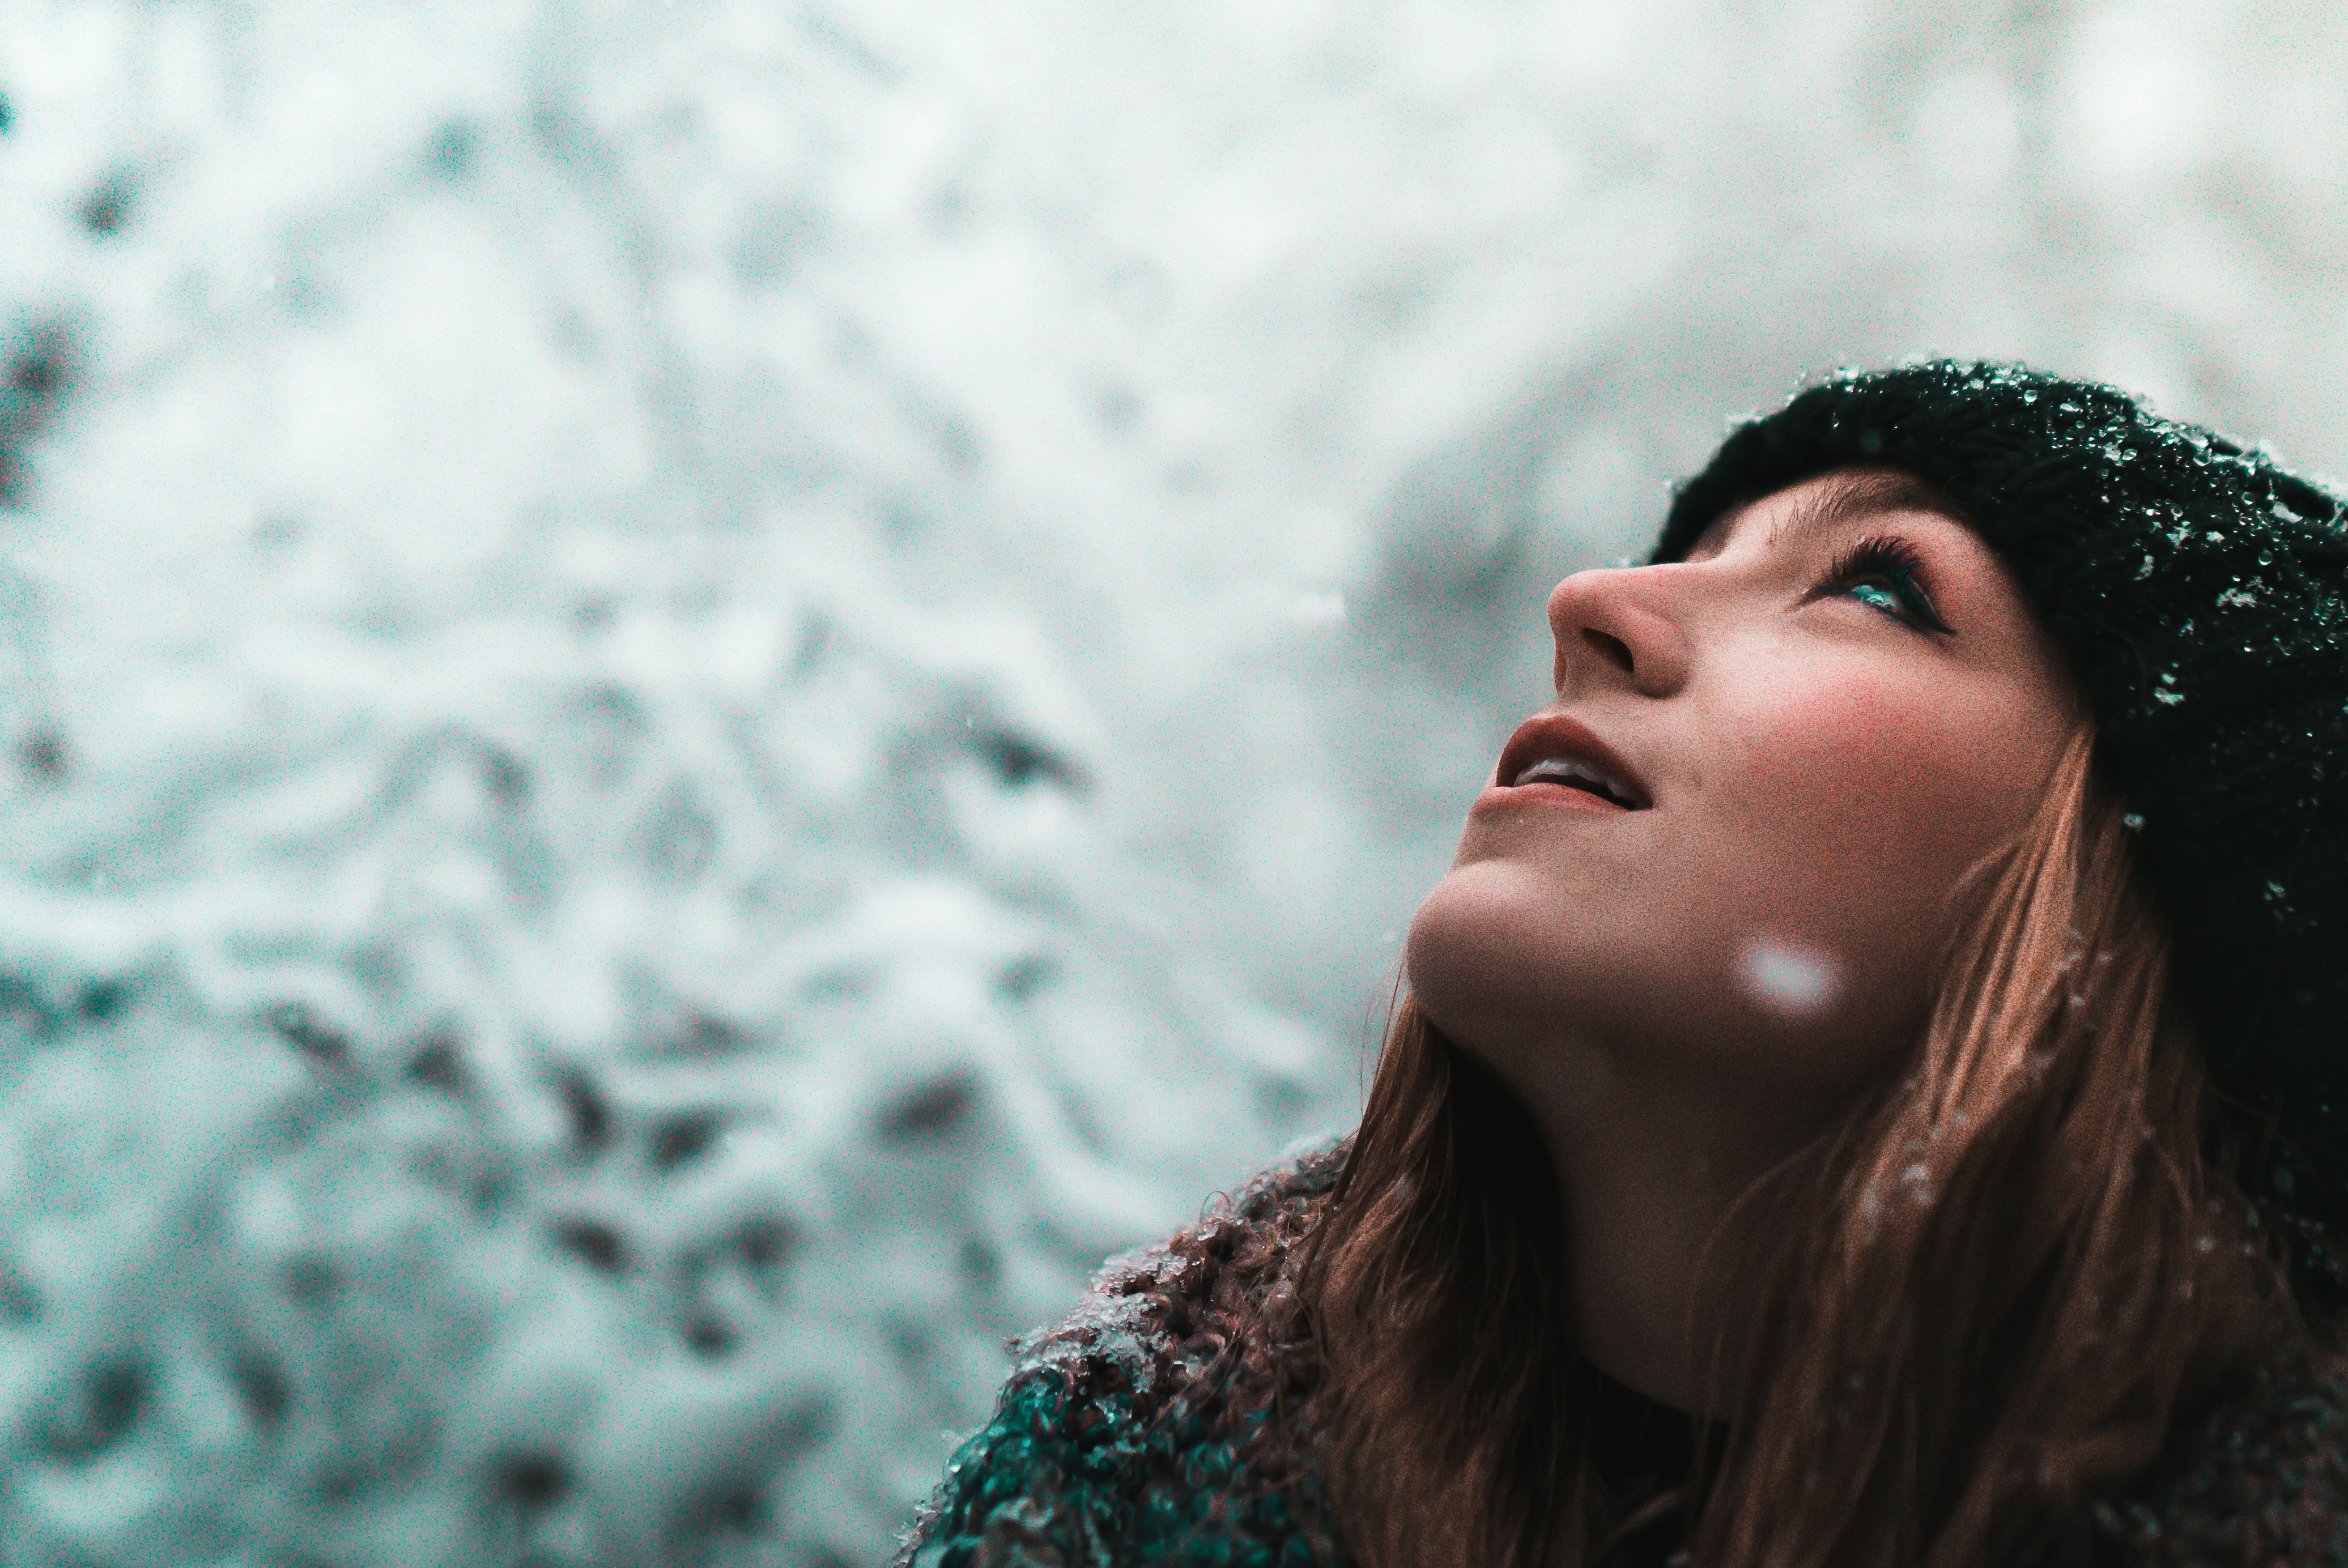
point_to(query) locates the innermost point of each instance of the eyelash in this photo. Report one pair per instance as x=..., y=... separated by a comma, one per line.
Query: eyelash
x=1894, y=562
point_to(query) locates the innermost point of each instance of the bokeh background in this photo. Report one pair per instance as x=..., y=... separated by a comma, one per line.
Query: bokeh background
x=694, y=694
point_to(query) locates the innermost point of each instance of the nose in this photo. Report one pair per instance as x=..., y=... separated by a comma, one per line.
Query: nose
x=1613, y=628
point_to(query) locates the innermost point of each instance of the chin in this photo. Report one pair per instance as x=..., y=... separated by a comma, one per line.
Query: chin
x=1475, y=963
x=1495, y=964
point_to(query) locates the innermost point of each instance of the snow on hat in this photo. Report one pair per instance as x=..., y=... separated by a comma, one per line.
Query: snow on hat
x=2200, y=594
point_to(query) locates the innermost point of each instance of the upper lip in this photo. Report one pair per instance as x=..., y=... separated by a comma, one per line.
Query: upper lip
x=1558, y=737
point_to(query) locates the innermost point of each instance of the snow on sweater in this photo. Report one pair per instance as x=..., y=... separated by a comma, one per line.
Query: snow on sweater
x=1166, y=1424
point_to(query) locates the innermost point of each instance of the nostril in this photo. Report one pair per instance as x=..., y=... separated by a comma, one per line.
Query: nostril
x=1614, y=649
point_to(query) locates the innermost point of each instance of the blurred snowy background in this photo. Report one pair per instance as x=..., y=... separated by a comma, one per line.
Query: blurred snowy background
x=697, y=693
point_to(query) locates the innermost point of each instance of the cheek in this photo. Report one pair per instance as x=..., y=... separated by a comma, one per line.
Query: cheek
x=1866, y=802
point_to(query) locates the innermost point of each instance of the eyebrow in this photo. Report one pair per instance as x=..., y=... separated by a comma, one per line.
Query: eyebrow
x=1849, y=496
x=1850, y=493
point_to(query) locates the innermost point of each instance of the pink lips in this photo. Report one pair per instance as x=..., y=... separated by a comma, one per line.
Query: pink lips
x=1580, y=769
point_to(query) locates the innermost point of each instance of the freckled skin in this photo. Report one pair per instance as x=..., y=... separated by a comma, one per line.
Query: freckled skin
x=1821, y=775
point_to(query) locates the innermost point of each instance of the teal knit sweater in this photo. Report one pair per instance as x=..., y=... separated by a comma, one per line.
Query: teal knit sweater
x=1166, y=1424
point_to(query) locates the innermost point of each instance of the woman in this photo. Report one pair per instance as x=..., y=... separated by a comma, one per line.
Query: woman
x=1871, y=1086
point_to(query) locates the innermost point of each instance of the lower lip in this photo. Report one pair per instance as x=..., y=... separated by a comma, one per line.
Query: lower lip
x=1548, y=796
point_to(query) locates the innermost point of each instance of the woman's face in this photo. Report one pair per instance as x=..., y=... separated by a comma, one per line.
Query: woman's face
x=1725, y=852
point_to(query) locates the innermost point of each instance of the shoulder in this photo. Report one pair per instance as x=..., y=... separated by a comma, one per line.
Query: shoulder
x=2263, y=1480
x=1164, y=1414
x=1238, y=1255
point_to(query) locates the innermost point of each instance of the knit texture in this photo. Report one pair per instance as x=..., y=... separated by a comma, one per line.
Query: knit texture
x=2200, y=593
x=1163, y=1426
x=1165, y=1422
x=2265, y=1482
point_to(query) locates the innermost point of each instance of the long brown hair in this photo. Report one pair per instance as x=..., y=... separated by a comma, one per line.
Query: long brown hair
x=1993, y=1286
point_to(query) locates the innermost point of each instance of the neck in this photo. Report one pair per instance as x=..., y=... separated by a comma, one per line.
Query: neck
x=1649, y=1167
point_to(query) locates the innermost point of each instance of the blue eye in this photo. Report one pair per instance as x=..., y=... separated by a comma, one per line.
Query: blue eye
x=1885, y=575
x=1871, y=592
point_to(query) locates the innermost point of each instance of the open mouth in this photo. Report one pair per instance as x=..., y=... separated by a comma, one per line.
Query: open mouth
x=1555, y=750
x=1577, y=775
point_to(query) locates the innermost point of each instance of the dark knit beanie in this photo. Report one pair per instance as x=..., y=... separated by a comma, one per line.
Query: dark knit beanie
x=2199, y=592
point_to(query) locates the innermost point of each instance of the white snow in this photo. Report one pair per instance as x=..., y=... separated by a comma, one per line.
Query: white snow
x=1789, y=977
